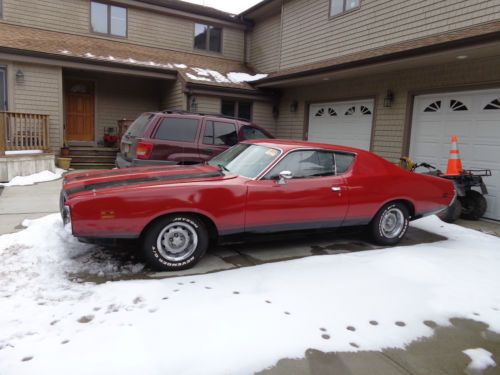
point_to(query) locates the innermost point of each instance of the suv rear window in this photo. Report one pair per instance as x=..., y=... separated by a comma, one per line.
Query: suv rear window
x=253, y=133
x=177, y=129
x=138, y=127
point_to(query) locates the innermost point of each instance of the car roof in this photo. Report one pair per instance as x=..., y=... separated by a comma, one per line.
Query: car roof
x=288, y=145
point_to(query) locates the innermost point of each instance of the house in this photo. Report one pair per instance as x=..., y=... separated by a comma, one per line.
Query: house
x=395, y=77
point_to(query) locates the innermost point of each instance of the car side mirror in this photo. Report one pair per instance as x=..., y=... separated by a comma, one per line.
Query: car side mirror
x=283, y=176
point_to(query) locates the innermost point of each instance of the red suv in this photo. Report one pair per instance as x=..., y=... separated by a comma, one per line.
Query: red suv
x=175, y=137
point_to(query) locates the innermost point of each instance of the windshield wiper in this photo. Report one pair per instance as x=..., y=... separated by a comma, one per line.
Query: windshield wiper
x=222, y=167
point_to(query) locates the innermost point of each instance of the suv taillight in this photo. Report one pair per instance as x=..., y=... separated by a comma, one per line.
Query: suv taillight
x=143, y=150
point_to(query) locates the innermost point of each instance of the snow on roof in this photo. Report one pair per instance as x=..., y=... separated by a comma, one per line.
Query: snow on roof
x=192, y=73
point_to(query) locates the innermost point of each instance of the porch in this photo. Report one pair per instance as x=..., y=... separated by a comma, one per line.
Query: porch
x=24, y=144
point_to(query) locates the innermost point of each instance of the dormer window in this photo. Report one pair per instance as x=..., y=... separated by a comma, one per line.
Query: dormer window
x=207, y=37
x=108, y=19
x=338, y=7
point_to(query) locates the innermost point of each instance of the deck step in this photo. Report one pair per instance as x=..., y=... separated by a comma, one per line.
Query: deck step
x=92, y=165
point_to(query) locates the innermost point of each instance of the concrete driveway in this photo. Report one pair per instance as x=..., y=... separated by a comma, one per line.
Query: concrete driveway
x=440, y=354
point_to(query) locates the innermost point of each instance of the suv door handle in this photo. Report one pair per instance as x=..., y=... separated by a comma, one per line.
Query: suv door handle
x=336, y=189
x=208, y=151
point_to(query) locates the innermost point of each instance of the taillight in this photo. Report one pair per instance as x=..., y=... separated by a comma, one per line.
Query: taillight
x=143, y=150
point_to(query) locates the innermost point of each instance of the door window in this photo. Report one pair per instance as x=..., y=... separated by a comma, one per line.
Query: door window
x=305, y=164
x=220, y=134
x=177, y=129
x=253, y=133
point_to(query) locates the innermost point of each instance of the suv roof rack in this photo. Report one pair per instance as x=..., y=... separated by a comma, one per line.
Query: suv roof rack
x=182, y=112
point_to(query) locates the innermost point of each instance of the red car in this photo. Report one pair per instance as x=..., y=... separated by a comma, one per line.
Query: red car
x=259, y=186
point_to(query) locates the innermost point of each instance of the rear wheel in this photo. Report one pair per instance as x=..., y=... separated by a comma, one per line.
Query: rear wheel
x=177, y=242
x=390, y=224
x=473, y=205
x=452, y=213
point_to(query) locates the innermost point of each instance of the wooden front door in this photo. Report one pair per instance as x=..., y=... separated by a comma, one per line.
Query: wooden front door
x=79, y=104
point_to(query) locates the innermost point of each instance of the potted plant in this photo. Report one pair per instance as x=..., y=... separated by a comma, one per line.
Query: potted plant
x=110, y=137
x=64, y=161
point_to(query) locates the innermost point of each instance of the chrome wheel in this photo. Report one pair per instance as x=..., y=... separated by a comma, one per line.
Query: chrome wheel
x=392, y=222
x=177, y=241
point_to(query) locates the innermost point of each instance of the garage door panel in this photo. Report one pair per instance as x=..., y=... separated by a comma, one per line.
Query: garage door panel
x=342, y=123
x=437, y=117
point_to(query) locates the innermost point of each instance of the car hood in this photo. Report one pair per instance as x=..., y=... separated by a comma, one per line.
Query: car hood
x=97, y=180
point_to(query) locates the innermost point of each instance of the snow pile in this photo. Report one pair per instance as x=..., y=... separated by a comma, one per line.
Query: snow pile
x=244, y=77
x=43, y=176
x=237, y=321
x=481, y=359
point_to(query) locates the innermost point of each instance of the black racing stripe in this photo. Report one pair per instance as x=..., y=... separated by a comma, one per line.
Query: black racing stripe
x=108, y=173
x=142, y=180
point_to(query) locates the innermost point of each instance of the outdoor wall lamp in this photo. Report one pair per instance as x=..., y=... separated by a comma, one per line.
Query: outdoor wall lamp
x=389, y=99
x=294, y=106
x=19, y=75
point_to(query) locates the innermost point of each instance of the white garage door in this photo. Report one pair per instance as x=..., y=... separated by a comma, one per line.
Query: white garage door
x=474, y=117
x=342, y=123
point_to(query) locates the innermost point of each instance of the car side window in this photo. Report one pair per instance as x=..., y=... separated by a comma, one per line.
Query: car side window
x=343, y=162
x=177, y=129
x=305, y=164
x=220, y=134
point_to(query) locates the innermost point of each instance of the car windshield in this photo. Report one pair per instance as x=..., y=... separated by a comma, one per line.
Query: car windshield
x=245, y=159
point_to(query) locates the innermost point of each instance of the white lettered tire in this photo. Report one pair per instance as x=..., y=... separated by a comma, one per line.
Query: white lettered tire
x=390, y=224
x=176, y=242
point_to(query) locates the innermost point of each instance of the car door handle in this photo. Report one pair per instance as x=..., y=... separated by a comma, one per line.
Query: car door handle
x=336, y=189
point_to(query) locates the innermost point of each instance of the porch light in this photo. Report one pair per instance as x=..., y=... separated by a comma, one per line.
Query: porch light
x=389, y=99
x=294, y=106
x=19, y=75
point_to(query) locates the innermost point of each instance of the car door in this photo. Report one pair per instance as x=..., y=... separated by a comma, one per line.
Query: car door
x=217, y=136
x=315, y=197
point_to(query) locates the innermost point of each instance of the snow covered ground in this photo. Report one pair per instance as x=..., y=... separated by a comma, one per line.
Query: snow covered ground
x=231, y=322
x=43, y=176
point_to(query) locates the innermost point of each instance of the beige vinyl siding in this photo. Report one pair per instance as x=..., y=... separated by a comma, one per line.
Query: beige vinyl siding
x=60, y=15
x=116, y=101
x=309, y=35
x=264, y=44
x=144, y=27
x=389, y=125
x=262, y=115
x=208, y=104
x=173, y=97
x=39, y=92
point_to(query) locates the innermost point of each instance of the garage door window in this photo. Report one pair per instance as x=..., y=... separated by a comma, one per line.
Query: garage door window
x=456, y=105
x=494, y=104
x=351, y=111
x=433, y=107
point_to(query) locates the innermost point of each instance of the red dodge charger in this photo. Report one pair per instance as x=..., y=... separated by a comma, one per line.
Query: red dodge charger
x=260, y=186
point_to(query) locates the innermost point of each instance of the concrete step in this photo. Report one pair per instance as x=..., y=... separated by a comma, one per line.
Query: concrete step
x=90, y=151
x=91, y=165
x=93, y=159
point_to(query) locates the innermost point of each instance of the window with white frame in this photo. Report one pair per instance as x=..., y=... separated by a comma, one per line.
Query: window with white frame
x=342, y=6
x=108, y=19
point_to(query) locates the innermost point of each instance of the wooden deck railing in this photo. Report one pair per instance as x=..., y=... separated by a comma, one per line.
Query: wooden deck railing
x=23, y=131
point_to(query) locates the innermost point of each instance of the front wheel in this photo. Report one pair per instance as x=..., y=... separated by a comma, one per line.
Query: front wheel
x=390, y=224
x=174, y=243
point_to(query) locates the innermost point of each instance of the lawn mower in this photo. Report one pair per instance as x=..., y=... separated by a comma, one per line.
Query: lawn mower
x=470, y=204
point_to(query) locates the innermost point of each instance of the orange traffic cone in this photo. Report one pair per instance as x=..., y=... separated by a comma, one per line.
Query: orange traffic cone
x=454, y=163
